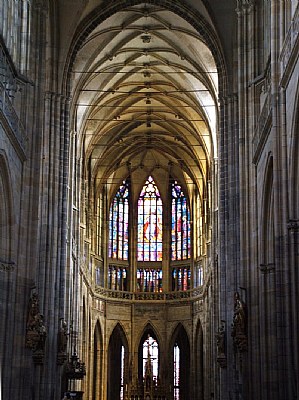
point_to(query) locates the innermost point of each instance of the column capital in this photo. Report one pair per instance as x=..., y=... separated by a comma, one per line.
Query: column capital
x=244, y=6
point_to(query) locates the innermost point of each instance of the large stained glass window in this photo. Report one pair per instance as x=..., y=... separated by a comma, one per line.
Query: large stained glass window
x=149, y=223
x=180, y=224
x=119, y=224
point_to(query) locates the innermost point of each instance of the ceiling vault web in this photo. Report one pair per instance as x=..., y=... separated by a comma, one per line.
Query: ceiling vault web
x=145, y=90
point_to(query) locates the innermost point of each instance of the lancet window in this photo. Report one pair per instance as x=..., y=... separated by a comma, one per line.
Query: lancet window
x=150, y=207
x=180, y=224
x=119, y=224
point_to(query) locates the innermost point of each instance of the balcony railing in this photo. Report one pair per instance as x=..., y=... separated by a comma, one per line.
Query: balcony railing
x=149, y=296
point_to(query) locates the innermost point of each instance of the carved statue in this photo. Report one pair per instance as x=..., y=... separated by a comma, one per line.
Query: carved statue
x=36, y=332
x=239, y=325
x=220, y=342
x=220, y=338
x=62, y=339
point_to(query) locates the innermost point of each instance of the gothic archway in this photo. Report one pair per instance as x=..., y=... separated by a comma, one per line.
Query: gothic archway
x=180, y=364
x=118, y=352
x=97, y=362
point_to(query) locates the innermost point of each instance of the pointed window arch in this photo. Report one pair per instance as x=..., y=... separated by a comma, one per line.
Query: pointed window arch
x=117, y=364
x=119, y=224
x=181, y=364
x=180, y=224
x=150, y=210
x=148, y=357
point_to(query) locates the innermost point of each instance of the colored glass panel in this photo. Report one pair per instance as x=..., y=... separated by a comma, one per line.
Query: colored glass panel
x=149, y=280
x=150, y=211
x=181, y=278
x=119, y=224
x=180, y=224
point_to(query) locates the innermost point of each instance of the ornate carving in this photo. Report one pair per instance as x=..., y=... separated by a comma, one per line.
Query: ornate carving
x=220, y=342
x=293, y=225
x=7, y=266
x=75, y=369
x=244, y=6
x=36, y=332
x=267, y=268
x=239, y=325
x=62, y=339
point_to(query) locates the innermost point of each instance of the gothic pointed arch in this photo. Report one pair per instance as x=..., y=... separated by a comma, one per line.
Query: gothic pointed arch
x=84, y=327
x=199, y=362
x=118, y=355
x=97, y=361
x=294, y=165
x=180, y=363
x=149, y=332
x=267, y=223
x=6, y=215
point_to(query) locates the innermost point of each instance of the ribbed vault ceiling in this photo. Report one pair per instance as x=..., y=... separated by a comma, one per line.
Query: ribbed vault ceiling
x=145, y=87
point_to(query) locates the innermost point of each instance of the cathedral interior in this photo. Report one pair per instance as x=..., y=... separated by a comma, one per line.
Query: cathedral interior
x=149, y=199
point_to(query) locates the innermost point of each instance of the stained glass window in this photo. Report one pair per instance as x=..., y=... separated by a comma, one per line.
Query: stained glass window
x=181, y=278
x=176, y=374
x=99, y=224
x=149, y=223
x=149, y=280
x=119, y=224
x=180, y=224
x=117, y=278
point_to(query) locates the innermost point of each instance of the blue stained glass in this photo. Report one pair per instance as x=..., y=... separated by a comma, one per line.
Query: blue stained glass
x=119, y=224
x=180, y=224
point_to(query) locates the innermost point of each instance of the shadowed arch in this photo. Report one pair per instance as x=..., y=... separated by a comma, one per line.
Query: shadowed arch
x=180, y=339
x=294, y=165
x=118, y=340
x=97, y=361
x=148, y=330
x=6, y=216
x=267, y=245
x=199, y=363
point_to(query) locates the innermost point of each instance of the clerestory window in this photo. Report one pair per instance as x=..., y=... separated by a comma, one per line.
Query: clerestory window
x=119, y=224
x=150, y=211
x=151, y=242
